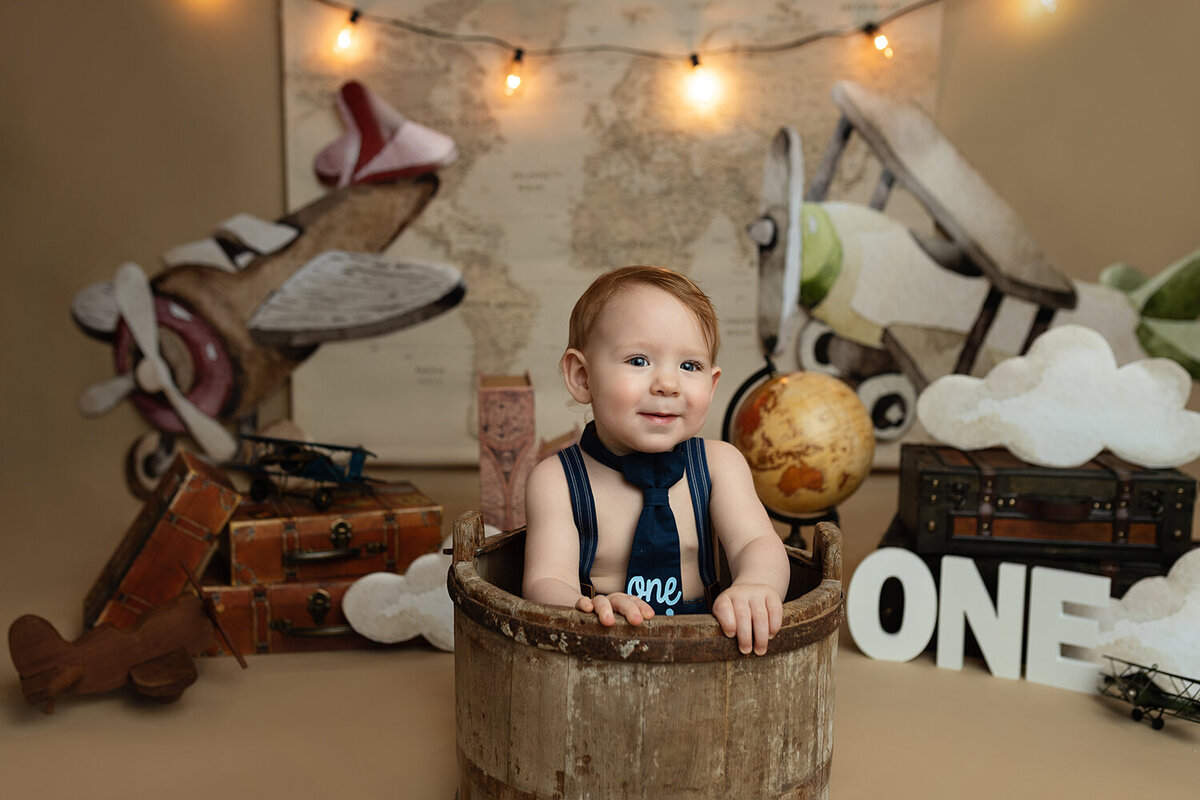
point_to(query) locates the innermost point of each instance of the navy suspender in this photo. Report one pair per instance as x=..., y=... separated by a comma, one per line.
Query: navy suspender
x=583, y=507
x=700, y=483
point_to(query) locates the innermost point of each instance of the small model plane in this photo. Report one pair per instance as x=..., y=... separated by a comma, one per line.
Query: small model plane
x=1152, y=692
x=222, y=327
x=155, y=654
x=274, y=460
x=889, y=309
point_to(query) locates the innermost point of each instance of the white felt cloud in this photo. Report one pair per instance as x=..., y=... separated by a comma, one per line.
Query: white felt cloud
x=386, y=607
x=1065, y=401
x=1157, y=622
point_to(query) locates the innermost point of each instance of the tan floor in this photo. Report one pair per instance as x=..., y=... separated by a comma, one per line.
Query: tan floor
x=381, y=724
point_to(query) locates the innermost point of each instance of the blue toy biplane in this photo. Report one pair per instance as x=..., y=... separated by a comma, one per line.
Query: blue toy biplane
x=275, y=460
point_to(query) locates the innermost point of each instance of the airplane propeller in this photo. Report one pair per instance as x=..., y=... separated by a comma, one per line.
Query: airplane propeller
x=135, y=301
x=100, y=398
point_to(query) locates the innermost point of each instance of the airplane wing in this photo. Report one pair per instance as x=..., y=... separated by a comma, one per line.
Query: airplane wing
x=343, y=295
x=1176, y=339
x=164, y=678
x=234, y=245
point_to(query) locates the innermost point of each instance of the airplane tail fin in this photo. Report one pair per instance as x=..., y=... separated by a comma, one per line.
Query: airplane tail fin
x=1178, y=340
x=33, y=642
x=40, y=656
x=1174, y=293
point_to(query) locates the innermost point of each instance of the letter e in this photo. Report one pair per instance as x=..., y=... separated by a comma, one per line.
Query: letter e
x=1050, y=627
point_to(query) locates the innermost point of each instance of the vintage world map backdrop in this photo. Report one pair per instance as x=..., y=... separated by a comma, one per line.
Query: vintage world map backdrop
x=597, y=162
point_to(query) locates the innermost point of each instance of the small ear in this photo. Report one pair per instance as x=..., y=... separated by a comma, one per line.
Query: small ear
x=575, y=373
x=716, y=376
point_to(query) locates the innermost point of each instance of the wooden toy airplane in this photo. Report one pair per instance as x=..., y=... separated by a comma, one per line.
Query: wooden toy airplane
x=155, y=655
x=889, y=309
x=212, y=336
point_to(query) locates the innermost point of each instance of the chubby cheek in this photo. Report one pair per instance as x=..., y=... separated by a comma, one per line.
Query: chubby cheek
x=620, y=397
x=699, y=395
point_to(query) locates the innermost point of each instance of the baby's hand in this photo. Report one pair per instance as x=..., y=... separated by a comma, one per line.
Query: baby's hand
x=632, y=608
x=752, y=612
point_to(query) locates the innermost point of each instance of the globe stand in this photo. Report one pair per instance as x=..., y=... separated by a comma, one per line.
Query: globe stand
x=796, y=522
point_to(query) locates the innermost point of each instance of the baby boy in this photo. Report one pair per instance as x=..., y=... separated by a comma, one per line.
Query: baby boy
x=620, y=524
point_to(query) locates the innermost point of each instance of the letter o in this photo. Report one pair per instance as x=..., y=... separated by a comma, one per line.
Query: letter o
x=920, y=605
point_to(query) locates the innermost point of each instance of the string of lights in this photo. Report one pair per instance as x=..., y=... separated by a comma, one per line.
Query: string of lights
x=513, y=80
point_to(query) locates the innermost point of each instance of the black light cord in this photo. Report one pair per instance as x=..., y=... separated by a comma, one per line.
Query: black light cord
x=749, y=49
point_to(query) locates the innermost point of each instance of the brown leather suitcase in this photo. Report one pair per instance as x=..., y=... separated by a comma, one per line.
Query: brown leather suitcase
x=180, y=523
x=988, y=503
x=285, y=617
x=376, y=528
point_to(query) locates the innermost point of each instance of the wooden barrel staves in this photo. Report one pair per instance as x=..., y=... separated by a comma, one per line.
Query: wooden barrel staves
x=551, y=704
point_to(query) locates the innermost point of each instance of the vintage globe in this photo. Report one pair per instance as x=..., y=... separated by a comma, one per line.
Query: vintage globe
x=808, y=439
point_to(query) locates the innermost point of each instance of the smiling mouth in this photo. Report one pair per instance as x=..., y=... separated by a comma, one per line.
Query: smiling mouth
x=659, y=418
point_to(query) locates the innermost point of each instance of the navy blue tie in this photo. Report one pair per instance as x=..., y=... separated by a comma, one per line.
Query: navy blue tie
x=653, y=573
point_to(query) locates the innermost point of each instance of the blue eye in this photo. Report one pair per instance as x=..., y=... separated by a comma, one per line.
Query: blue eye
x=691, y=366
x=638, y=361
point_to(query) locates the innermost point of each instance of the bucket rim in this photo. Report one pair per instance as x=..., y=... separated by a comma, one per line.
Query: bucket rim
x=811, y=617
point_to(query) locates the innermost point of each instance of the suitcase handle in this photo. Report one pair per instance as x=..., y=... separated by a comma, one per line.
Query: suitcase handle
x=1055, y=510
x=297, y=557
x=318, y=556
x=286, y=627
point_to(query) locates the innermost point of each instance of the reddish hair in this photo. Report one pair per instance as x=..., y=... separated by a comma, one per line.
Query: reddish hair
x=604, y=288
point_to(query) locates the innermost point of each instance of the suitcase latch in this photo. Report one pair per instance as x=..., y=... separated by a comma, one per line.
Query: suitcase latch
x=341, y=532
x=1152, y=501
x=957, y=495
x=319, y=603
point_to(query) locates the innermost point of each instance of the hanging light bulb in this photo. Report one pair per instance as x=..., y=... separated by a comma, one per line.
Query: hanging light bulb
x=1050, y=6
x=878, y=39
x=512, y=82
x=702, y=86
x=345, y=37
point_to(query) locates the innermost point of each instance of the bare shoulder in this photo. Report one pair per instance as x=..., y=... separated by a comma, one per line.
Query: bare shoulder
x=546, y=486
x=724, y=459
x=733, y=486
x=547, y=471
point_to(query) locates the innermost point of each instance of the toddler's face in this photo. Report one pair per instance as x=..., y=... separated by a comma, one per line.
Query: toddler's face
x=649, y=373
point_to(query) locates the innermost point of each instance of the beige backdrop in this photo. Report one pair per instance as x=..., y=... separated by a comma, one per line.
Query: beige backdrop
x=133, y=125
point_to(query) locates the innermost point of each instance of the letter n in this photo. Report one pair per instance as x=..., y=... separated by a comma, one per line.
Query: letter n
x=963, y=599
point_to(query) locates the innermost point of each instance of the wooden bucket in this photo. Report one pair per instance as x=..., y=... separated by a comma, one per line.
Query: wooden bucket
x=551, y=704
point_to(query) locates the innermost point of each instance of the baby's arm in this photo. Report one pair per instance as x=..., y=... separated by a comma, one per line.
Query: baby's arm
x=552, y=552
x=752, y=607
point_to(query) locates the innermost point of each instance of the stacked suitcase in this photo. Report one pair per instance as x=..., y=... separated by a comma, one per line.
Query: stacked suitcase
x=276, y=568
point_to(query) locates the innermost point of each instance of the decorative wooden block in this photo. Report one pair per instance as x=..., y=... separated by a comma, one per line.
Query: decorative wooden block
x=180, y=523
x=507, y=447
